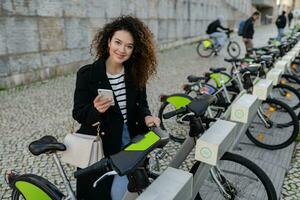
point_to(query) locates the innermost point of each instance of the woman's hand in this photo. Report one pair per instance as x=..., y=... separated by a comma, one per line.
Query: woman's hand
x=102, y=103
x=152, y=121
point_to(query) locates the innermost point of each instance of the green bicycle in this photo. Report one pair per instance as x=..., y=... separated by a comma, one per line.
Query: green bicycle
x=206, y=47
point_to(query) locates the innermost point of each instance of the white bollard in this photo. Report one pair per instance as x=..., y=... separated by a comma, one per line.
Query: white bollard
x=262, y=89
x=281, y=64
x=215, y=142
x=243, y=108
x=274, y=75
x=171, y=184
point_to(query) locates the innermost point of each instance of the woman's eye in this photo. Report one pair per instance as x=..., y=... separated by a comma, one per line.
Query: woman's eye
x=130, y=47
x=118, y=42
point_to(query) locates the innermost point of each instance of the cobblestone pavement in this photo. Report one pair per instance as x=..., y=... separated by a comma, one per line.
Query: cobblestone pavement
x=42, y=108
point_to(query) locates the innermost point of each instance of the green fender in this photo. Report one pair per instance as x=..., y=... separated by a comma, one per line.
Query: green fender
x=179, y=100
x=31, y=192
x=149, y=139
x=217, y=77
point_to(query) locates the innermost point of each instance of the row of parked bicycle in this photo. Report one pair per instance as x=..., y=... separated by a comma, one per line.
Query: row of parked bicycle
x=185, y=117
x=276, y=124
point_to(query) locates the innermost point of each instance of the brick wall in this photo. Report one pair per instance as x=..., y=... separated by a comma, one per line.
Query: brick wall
x=40, y=39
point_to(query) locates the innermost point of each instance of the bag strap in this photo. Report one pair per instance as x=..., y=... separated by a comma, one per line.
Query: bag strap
x=98, y=137
x=72, y=129
x=98, y=131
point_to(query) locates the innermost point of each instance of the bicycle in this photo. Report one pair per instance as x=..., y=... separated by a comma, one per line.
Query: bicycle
x=33, y=187
x=206, y=47
x=286, y=90
x=132, y=161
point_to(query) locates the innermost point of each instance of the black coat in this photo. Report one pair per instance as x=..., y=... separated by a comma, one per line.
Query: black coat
x=214, y=27
x=89, y=79
x=248, y=30
x=281, y=21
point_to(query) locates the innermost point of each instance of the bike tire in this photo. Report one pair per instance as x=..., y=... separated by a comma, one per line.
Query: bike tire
x=289, y=90
x=291, y=80
x=233, y=49
x=252, y=167
x=268, y=143
x=174, y=134
x=202, y=51
x=16, y=195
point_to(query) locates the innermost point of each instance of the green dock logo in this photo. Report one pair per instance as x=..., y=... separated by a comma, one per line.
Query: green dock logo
x=205, y=152
x=239, y=113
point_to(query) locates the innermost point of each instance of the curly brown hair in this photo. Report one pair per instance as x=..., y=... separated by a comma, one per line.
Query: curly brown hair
x=142, y=63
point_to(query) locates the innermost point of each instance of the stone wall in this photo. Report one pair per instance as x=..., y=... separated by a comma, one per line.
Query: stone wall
x=40, y=39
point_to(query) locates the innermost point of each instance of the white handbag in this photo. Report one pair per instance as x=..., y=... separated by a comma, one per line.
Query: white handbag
x=83, y=150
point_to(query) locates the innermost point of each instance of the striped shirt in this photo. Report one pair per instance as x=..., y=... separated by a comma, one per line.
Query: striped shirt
x=117, y=83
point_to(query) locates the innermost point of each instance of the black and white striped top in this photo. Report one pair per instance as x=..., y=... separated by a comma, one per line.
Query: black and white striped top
x=117, y=83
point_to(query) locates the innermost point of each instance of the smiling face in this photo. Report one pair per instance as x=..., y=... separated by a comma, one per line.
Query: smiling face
x=120, y=46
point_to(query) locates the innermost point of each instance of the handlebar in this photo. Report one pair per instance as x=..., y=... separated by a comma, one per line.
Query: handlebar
x=174, y=112
x=103, y=164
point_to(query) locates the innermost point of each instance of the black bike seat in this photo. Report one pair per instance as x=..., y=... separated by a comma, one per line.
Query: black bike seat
x=46, y=144
x=200, y=104
x=217, y=70
x=252, y=70
x=232, y=60
x=193, y=78
x=267, y=57
x=127, y=160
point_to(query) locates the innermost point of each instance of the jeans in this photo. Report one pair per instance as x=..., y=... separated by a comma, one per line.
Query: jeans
x=280, y=33
x=219, y=38
x=119, y=185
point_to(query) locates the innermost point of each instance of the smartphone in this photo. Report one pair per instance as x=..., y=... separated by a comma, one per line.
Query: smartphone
x=107, y=94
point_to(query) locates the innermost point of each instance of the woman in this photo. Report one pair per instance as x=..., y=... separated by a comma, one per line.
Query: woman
x=125, y=61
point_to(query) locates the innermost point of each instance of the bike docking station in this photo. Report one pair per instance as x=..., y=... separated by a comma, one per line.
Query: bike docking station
x=274, y=75
x=224, y=136
x=281, y=64
x=221, y=137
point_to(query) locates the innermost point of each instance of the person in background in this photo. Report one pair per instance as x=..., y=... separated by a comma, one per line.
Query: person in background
x=214, y=30
x=126, y=59
x=290, y=18
x=248, y=31
x=280, y=24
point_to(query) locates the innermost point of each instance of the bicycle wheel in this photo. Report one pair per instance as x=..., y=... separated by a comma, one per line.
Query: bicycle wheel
x=205, y=48
x=233, y=49
x=246, y=180
x=283, y=129
x=177, y=127
x=286, y=94
x=15, y=195
x=291, y=80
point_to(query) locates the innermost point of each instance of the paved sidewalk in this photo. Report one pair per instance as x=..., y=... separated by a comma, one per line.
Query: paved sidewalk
x=30, y=112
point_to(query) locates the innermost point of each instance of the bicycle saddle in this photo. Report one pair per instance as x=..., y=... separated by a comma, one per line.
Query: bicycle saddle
x=232, y=60
x=46, y=144
x=250, y=69
x=200, y=104
x=266, y=57
x=133, y=155
x=193, y=78
x=217, y=70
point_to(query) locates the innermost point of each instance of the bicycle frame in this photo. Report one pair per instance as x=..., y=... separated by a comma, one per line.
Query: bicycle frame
x=70, y=192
